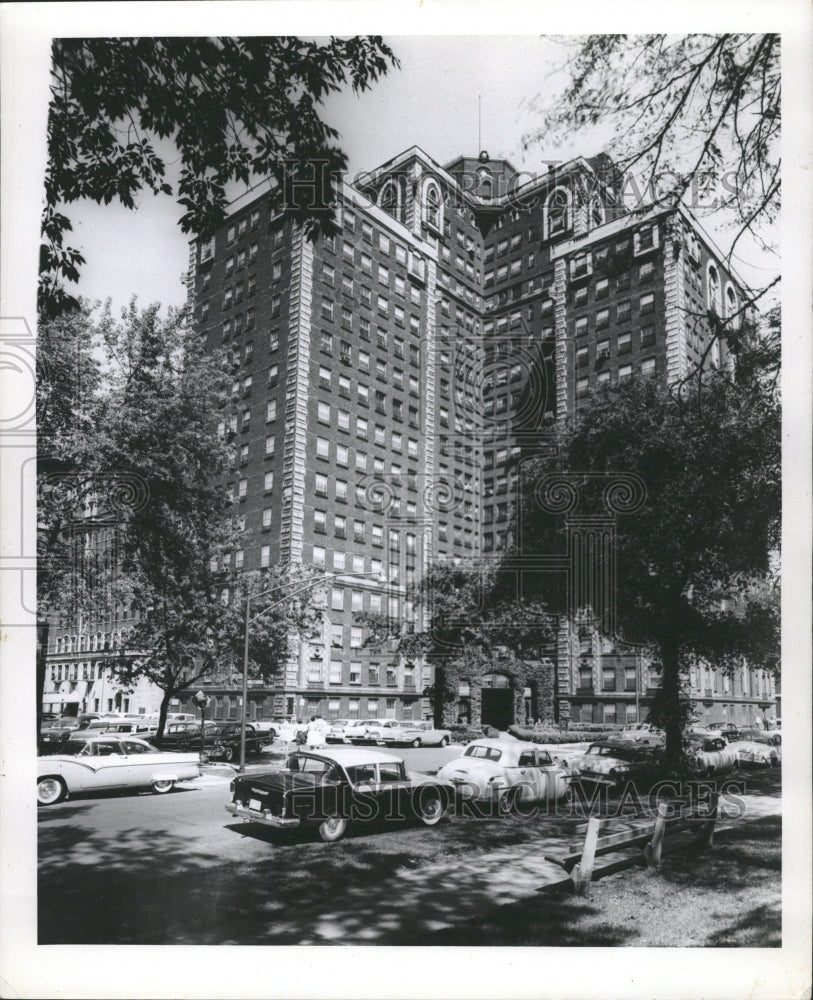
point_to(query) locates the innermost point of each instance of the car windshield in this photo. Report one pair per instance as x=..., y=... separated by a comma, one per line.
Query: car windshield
x=487, y=753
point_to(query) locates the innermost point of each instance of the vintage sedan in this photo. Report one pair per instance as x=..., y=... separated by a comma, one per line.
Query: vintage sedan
x=100, y=763
x=640, y=732
x=709, y=755
x=336, y=730
x=613, y=762
x=415, y=734
x=333, y=788
x=755, y=753
x=360, y=731
x=228, y=735
x=507, y=774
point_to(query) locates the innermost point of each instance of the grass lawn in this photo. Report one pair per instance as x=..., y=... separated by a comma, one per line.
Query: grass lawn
x=729, y=896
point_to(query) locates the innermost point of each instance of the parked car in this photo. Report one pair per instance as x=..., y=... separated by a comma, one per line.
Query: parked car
x=336, y=730
x=416, y=734
x=770, y=736
x=96, y=763
x=612, y=762
x=725, y=729
x=132, y=726
x=53, y=735
x=185, y=736
x=708, y=755
x=640, y=732
x=507, y=773
x=755, y=753
x=267, y=727
x=228, y=734
x=332, y=788
x=361, y=731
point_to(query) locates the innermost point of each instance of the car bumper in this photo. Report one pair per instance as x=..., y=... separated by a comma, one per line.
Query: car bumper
x=260, y=816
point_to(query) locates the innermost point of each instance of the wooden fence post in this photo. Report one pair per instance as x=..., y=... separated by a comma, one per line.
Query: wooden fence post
x=582, y=873
x=652, y=850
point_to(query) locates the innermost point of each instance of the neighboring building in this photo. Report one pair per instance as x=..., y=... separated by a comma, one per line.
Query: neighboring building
x=388, y=380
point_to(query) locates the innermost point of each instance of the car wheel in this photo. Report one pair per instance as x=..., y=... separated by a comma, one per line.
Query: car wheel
x=228, y=753
x=431, y=809
x=162, y=785
x=416, y=743
x=333, y=829
x=50, y=791
x=507, y=801
x=444, y=742
x=570, y=795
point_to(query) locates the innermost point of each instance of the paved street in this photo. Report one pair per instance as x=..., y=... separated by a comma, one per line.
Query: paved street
x=141, y=868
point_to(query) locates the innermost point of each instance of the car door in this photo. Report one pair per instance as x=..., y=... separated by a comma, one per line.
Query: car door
x=391, y=788
x=110, y=764
x=530, y=778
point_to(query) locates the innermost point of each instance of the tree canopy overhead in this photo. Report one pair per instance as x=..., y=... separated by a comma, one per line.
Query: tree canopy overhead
x=693, y=114
x=235, y=109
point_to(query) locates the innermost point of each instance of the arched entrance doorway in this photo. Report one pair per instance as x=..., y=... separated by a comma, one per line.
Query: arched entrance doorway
x=497, y=706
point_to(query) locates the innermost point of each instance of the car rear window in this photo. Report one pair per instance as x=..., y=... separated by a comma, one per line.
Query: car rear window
x=487, y=753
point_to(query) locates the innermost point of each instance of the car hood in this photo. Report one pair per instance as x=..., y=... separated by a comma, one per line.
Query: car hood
x=472, y=767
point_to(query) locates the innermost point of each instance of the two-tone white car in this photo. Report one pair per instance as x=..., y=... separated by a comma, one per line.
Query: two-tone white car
x=89, y=764
x=507, y=774
x=755, y=753
x=415, y=734
x=709, y=755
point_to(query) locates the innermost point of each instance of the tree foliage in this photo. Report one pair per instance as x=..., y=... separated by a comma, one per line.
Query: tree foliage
x=696, y=565
x=473, y=615
x=234, y=108
x=693, y=114
x=132, y=507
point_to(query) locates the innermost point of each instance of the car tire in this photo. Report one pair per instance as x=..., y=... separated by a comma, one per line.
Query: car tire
x=507, y=801
x=445, y=741
x=163, y=785
x=431, y=809
x=50, y=790
x=416, y=743
x=570, y=796
x=228, y=754
x=333, y=829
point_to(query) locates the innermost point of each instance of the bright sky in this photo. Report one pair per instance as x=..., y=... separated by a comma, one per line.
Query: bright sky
x=432, y=102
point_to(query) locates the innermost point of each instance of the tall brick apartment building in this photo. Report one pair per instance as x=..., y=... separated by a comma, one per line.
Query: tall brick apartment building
x=387, y=380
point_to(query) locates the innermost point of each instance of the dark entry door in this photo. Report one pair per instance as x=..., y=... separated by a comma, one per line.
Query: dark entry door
x=498, y=707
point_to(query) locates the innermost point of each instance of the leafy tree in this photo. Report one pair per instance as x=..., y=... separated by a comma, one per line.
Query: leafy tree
x=234, y=108
x=68, y=461
x=473, y=614
x=163, y=386
x=695, y=565
x=688, y=113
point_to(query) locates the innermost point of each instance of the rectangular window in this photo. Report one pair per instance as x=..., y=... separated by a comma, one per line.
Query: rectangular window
x=624, y=371
x=322, y=448
x=624, y=343
x=341, y=490
x=342, y=455
x=323, y=413
x=647, y=303
x=324, y=378
x=265, y=556
x=320, y=485
x=648, y=366
x=337, y=599
x=602, y=319
x=320, y=522
x=270, y=442
x=355, y=637
x=581, y=326
x=266, y=518
x=268, y=482
x=622, y=311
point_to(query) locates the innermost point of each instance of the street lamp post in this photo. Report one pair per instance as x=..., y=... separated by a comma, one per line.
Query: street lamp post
x=249, y=620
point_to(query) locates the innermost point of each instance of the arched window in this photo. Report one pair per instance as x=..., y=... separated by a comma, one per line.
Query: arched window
x=432, y=206
x=732, y=307
x=558, y=212
x=713, y=289
x=485, y=183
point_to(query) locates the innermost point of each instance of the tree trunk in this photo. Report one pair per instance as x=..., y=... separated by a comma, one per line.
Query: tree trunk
x=670, y=685
x=162, y=711
x=43, y=631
